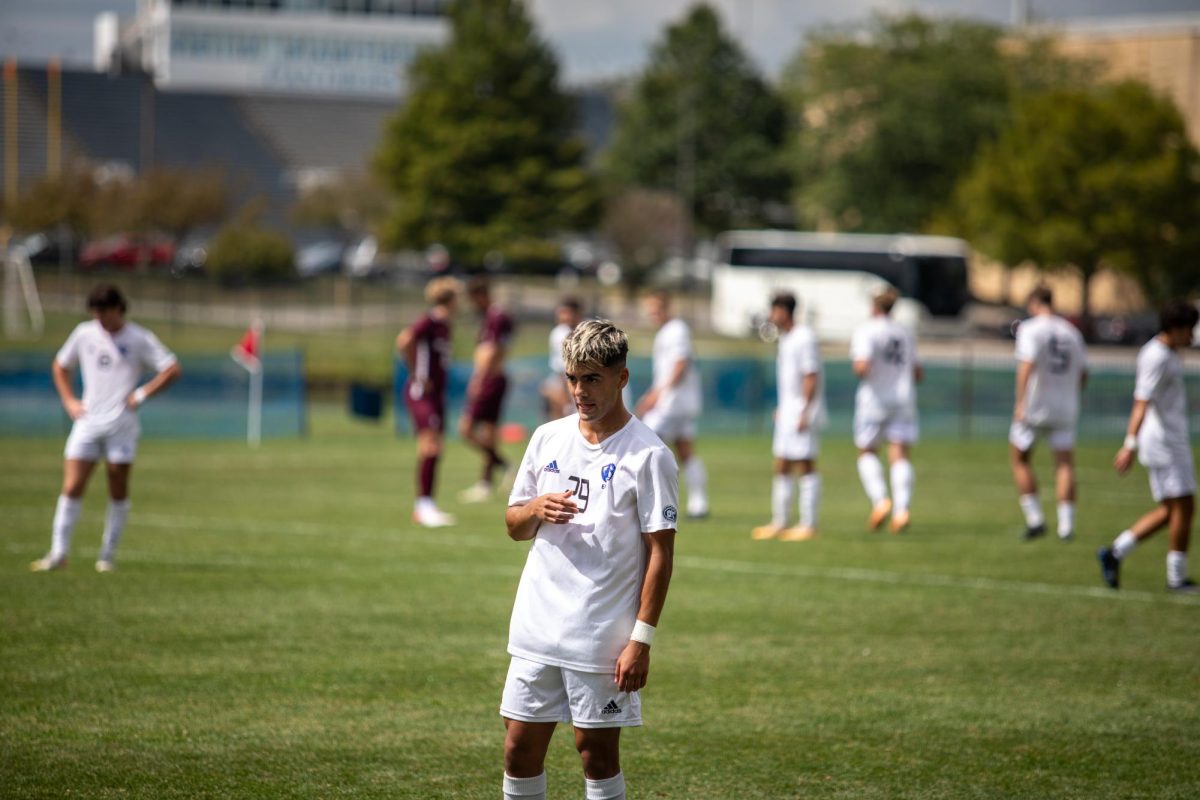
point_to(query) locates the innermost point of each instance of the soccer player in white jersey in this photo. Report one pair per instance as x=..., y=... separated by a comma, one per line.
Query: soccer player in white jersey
x=554, y=390
x=884, y=355
x=597, y=494
x=1051, y=372
x=1158, y=435
x=673, y=403
x=798, y=419
x=112, y=353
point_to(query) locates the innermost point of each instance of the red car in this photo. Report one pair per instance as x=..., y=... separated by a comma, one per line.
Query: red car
x=127, y=252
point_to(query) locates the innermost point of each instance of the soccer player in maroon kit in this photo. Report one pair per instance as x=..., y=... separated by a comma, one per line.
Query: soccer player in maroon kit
x=485, y=391
x=426, y=348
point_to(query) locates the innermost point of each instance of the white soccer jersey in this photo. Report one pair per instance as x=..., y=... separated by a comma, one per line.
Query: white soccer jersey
x=581, y=586
x=1059, y=357
x=1163, y=438
x=672, y=343
x=112, y=364
x=799, y=355
x=558, y=335
x=889, y=386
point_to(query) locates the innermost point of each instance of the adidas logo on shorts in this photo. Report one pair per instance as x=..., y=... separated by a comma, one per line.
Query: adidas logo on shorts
x=611, y=708
x=551, y=467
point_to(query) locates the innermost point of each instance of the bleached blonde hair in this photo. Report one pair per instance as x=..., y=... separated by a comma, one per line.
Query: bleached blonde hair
x=440, y=291
x=595, y=342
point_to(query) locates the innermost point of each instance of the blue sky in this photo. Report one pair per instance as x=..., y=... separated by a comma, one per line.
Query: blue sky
x=595, y=38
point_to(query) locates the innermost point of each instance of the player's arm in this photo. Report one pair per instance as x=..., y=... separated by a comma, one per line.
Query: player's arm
x=405, y=341
x=1124, y=458
x=862, y=367
x=808, y=388
x=633, y=665
x=1024, y=370
x=164, y=378
x=918, y=372
x=487, y=360
x=524, y=519
x=66, y=392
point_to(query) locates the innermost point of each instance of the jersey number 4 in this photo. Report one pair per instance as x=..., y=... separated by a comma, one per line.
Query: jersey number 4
x=581, y=491
x=893, y=352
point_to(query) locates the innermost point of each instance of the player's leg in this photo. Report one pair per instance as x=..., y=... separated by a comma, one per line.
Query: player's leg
x=1180, y=511
x=525, y=747
x=1111, y=557
x=600, y=751
x=76, y=472
x=694, y=473
x=117, y=514
x=534, y=702
x=867, y=435
x=903, y=478
x=1064, y=480
x=783, y=494
x=1021, y=438
x=810, y=500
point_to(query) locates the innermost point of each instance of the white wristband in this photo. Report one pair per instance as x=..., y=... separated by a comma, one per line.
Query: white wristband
x=642, y=633
x=139, y=394
x=1130, y=443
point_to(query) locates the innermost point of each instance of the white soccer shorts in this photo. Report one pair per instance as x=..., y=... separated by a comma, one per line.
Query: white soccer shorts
x=1022, y=436
x=898, y=426
x=1175, y=480
x=793, y=445
x=536, y=692
x=671, y=427
x=116, y=442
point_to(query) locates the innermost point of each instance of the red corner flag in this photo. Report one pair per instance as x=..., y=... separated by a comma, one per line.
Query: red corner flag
x=248, y=351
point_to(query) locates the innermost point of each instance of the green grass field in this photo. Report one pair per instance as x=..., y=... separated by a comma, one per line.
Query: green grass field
x=278, y=628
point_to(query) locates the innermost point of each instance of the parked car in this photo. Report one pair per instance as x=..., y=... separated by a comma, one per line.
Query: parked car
x=127, y=252
x=319, y=258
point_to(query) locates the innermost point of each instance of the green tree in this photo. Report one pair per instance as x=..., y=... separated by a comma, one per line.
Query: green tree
x=483, y=157
x=46, y=205
x=177, y=201
x=349, y=205
x=892, y=112
x=1090, y=178
x=703, y=124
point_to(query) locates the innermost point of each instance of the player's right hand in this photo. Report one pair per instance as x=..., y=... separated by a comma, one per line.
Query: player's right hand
x=1123, y=461
x=557, y=508
x=75, y=408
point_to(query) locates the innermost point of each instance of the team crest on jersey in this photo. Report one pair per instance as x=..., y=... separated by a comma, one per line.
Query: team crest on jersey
x=670, y=513
x=551, y=467
x=607, y=472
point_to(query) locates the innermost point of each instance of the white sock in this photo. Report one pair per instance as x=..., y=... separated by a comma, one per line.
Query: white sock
x=424, y=504
x=1123, y=545
x=1031, y=507
x=810, y=500
x=528, y=788
x=903, y=477
x=1066, y=519
x=783, y=492
x=1176, y=567
x=870, y=471
x=114, y=526
x=66, y=514
x=697, y=485
x=608, y=789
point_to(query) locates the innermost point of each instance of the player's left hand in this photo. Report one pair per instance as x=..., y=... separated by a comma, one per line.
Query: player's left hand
x=633, y=667
x=131, y=402
x=802, y=426
x=1123, y=461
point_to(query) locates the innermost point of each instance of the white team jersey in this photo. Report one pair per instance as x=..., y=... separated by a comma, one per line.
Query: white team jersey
x=799, y=355
x=889, y=386
x=1059, y=357
x=557, y=336
x=1163, y=437
x=581, y=586
x=672, y=343
x=112, y=364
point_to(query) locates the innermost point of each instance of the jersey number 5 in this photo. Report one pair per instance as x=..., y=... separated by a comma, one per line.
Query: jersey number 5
x=582, y=491
x=1060, y=357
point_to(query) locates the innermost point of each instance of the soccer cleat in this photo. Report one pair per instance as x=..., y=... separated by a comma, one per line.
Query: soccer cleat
x=104, y=565
x=1188, y=586
x=879, y=513
x=764, y=532
x=48, y=564
x=698, y=512
x=1034, y=532
x=479, y=493
x=1066, y=537
x=1110, y=567
x=900, y=521
x=798, y=534
x=433, y=518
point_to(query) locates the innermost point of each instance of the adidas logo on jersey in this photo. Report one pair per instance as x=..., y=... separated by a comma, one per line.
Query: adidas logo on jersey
x=551, y=467
x=611, y=708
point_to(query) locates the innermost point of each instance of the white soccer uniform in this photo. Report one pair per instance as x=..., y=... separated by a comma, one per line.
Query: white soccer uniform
x=799, y=356
x=1164, y=446
x=677, y=408
x=885, y=405
x=558, y=335
x=1056, y=350
x=580, y=590
x=112, y=364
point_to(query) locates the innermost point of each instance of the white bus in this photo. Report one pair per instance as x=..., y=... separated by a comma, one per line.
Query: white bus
x=834, y=276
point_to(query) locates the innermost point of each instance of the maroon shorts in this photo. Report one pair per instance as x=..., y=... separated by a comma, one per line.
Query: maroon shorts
x=427, y=413
x=487, y=404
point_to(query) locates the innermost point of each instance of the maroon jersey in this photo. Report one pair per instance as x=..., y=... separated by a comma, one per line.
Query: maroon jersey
x=497, y=328
x=430, y=359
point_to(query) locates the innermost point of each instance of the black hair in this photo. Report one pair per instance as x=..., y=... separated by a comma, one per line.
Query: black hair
x=1177, y=314
x=106, y=295
x=786, y=301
